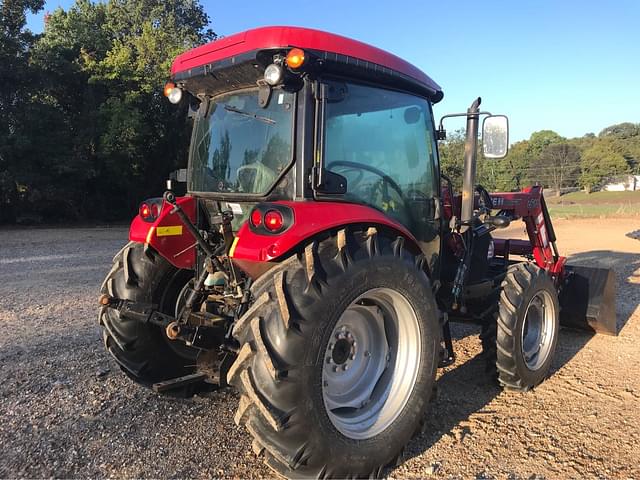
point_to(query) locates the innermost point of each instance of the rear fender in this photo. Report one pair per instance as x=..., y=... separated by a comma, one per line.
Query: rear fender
x=167, y=235
x=309, y=219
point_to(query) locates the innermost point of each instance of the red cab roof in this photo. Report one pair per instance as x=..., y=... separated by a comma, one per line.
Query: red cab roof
x=305, y=38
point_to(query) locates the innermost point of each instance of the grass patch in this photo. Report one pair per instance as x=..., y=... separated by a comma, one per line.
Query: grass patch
x=597, y=204
x=594, y=210
x=596, y=198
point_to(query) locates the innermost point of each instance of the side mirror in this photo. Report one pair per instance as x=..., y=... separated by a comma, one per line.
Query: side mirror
x=495, y=136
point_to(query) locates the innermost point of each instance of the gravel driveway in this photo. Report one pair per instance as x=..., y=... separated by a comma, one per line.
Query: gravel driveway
x=67, y=411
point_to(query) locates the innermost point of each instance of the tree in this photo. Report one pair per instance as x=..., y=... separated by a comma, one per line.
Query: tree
x=558, y=163
x=541, y=140
x=17, y=79
x=452, y=157
x=600, y=163
x=110, y=137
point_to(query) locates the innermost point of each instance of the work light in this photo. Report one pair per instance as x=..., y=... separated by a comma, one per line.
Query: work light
x=273, y=74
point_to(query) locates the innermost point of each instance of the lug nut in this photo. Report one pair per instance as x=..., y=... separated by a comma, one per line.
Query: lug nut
x=344, y=367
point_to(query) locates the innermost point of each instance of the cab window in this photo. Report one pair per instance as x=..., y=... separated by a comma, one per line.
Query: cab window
x=382, y=142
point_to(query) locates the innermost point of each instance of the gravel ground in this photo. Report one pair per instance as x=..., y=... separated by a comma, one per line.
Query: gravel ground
x=67, y=410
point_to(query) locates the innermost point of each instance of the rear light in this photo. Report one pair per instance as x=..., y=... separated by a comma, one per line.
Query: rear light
x=256, y=218
x=273, y=220
x=145, y=211
x=270, y=219
x=172, y=92
x=150, y=210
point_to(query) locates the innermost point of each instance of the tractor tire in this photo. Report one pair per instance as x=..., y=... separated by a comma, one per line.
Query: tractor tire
x=143, y=351
x=338, y=357
x=519, y=344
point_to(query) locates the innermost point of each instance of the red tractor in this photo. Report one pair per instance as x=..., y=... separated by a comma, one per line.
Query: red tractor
x=319, y=255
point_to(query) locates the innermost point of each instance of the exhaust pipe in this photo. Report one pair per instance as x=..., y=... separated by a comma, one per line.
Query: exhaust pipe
x=470, y=160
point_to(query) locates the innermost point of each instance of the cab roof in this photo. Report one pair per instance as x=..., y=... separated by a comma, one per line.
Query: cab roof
x=329, y=46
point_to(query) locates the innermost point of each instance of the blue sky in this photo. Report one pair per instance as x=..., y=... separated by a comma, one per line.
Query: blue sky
x=570, y=66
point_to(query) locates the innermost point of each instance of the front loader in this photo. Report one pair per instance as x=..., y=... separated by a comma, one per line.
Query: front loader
x=319, y=255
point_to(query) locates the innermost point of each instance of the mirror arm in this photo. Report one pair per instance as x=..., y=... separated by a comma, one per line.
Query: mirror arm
x=466, y=114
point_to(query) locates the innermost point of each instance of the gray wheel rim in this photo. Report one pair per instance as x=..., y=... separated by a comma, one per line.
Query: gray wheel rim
x=538, y=330
x=371, y=363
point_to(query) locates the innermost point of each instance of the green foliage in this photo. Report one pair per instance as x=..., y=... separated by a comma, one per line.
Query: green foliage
x=91, y=133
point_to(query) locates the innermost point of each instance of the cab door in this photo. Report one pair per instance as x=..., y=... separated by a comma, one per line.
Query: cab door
x=382, y=142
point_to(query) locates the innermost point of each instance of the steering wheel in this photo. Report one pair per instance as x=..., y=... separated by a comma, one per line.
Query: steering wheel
x=359, y=166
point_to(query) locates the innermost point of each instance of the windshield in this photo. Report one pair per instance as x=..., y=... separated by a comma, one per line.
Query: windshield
x=240, y=147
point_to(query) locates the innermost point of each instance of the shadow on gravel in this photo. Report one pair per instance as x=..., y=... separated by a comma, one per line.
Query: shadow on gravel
x=462, y=391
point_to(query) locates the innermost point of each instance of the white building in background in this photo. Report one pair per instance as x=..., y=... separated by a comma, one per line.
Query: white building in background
x=626, y=182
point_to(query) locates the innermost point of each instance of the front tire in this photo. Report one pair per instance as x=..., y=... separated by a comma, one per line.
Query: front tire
x=143, y=351
x=338, y=357
x=519, y=345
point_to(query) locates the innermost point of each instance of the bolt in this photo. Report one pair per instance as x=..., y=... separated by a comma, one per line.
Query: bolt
x=367, y=353
x=352, y=356
x=354, y=344
x=344, y=367
x=331, y=345
x=335, y=369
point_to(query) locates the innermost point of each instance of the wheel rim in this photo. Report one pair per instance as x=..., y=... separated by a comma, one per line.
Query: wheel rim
x=371, y=363
x=538, y=330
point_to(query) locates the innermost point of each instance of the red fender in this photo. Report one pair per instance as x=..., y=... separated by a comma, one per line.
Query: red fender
x=309, y=219
x=167, y=235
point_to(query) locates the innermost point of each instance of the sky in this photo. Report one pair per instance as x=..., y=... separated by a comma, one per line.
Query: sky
x=568, y=66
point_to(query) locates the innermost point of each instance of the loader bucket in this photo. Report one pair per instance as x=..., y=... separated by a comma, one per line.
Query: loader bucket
x=588, y=300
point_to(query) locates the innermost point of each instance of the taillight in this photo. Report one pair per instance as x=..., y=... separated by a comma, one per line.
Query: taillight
x=270, y=219
x=273, y=220
x=256, y=218
x=150, y=210
x=145, y=211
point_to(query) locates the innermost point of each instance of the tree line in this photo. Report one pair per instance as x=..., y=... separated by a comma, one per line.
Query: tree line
x=85, y=131
x=559, y=163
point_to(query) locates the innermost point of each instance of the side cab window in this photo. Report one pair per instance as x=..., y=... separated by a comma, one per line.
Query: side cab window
x=382, y=142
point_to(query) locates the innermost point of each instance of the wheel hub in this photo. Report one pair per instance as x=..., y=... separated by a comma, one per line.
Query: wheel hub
x=367, y=378
x=537, y=330
x=343, y=350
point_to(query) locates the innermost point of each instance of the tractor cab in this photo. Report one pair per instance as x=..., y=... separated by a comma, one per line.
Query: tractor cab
x=318, y=117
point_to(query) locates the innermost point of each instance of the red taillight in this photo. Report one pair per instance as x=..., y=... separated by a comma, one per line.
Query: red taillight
x=145, y=211
x=150, y=210
x=256, y=218
x=273, y=220
x=155, y=210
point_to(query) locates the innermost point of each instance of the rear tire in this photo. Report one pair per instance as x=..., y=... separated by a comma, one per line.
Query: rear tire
x=300, y=426
x=519, y=345
x=143, y=351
